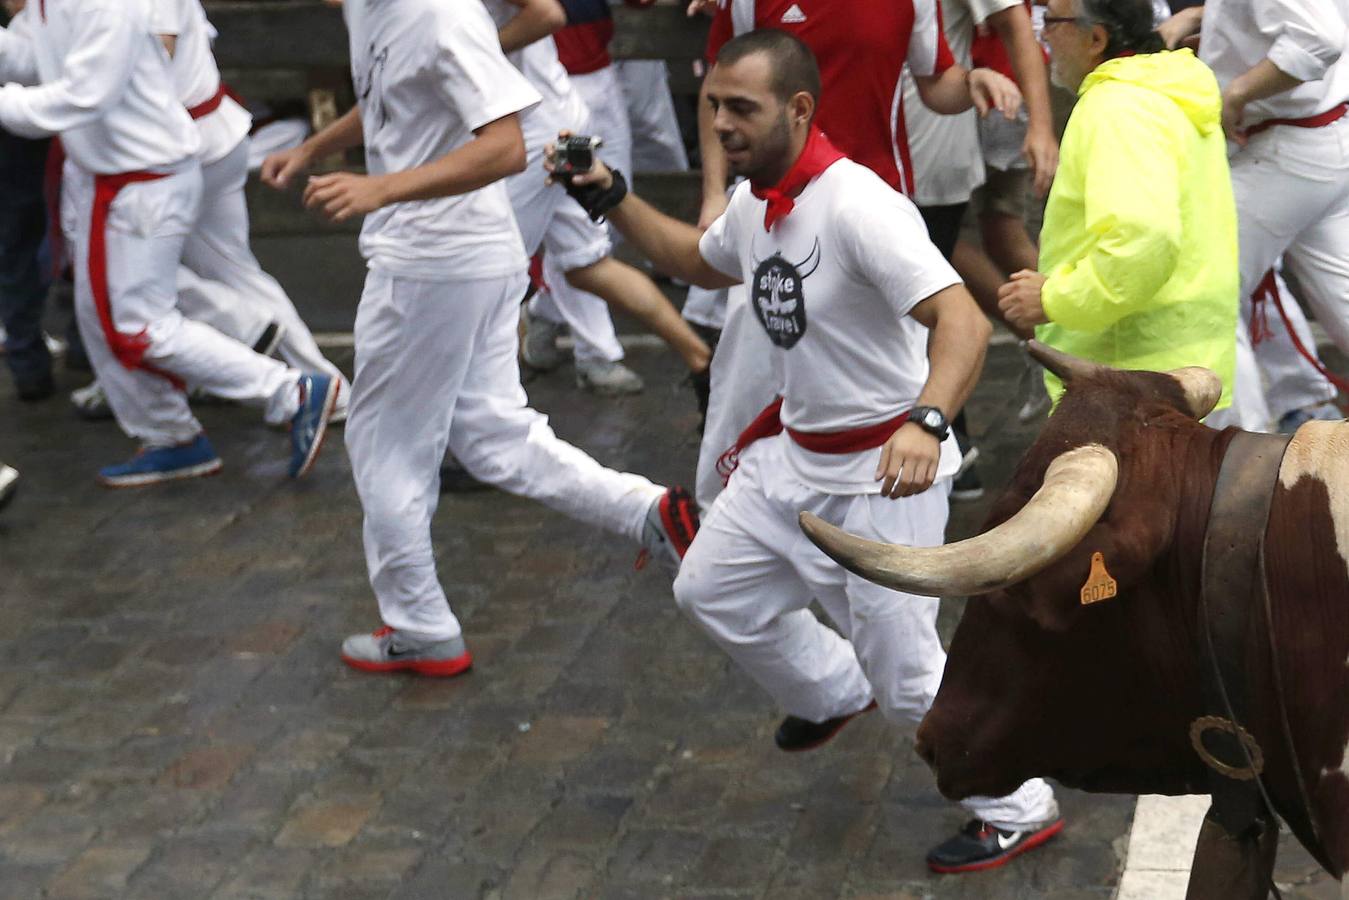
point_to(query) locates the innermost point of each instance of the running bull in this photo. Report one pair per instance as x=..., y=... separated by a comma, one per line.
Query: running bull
x=1081, y=653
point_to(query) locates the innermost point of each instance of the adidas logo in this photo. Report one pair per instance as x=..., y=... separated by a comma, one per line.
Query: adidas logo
x=793, y=16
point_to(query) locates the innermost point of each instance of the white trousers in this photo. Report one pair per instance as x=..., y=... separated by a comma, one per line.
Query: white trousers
x=587, y=315
x=748, y=581
x=218, y=251
x=743, y=383
x=436, y=367
x=141, y=347
x=657, y=145
x=1292, y=195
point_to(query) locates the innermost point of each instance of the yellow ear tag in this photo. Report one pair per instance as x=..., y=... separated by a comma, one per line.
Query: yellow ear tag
x=1100, y=586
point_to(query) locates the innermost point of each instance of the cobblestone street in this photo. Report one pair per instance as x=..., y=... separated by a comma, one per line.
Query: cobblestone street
x=175, y=722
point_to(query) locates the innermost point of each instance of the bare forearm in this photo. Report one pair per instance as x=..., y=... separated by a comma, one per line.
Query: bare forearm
x=491, y=156
x=957, y=345
x=338, y=137
x=1262, y=80
x=536, y=20
x=947, y=93
x=1013, y=25
x=671, y=245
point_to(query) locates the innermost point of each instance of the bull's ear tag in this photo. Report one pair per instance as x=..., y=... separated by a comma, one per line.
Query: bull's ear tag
x=1100, y=586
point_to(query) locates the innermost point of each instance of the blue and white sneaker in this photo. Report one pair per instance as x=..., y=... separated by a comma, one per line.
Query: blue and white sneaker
x=155, y=464
x=318, y=399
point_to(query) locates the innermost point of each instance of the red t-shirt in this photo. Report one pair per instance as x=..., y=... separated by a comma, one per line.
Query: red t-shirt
x=584, y=48
x=861, y=46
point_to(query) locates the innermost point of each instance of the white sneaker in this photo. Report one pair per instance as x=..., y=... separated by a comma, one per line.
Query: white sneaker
x=9, y=483
x=608, y=379
x=91, y=403
x=539, y=349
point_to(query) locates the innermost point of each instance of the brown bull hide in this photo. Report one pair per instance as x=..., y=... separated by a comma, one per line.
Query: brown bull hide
x=1101, y=696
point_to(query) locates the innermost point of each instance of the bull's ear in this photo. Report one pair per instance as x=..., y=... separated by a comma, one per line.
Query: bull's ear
x=1064, y=365
x=1202, y=388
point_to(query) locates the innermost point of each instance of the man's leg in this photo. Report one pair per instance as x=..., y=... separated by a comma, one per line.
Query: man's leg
x=414, y=347
x=219, y=250
x=1319, y=260
x=499, y=439
x=597, y=346
x=23, y=283
x=657, y=145
x=1295, y=390
x=137, y=280
x=740, y=584
x=1277, y=199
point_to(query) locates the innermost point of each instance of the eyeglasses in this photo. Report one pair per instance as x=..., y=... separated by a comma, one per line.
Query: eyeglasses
x=1061, y=20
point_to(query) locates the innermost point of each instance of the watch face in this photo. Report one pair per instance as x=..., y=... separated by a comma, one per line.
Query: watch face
x=932, y=418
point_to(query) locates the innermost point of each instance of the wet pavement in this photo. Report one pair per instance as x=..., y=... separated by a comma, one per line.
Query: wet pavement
x=175, y=722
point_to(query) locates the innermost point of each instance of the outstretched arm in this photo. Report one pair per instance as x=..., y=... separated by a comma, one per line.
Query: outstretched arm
x=497, y=150
x=670, y=244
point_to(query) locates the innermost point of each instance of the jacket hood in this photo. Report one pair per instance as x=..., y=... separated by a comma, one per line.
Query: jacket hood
x=1175, y=74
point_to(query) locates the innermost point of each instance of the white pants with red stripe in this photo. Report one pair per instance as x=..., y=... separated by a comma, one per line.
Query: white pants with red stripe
x=751, y=574
x=436, y=367
x=218, y=250
x=147, y=225
x=1292, y=195
x=587, y=315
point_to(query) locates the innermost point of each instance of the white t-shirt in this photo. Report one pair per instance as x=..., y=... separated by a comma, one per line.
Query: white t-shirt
x=197, y=77
x=832, y=285
x=562, y=106
x=947, y=164
x=428, y=73
x=103, y=86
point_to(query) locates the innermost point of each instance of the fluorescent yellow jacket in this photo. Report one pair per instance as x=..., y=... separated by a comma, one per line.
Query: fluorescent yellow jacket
x=1139, y=243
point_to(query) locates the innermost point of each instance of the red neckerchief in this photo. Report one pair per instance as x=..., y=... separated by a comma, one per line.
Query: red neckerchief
x=816, y=156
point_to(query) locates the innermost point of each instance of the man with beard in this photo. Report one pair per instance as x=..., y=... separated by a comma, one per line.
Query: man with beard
x=874, y=343
x=1138, y=254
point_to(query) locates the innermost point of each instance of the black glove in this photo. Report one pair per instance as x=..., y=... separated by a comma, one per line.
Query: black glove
x=595, y=200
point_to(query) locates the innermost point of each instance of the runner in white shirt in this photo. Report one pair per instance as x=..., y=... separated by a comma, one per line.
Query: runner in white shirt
x=225, y=286
x=435, y=331
x=218, y=249
x=874, y=342
x=134, y=188
x=578, y=266
x=1285, y=86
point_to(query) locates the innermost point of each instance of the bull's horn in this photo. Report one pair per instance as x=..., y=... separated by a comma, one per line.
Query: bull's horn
x=1201, y=386
x=1077, y=488
x=1065, y=366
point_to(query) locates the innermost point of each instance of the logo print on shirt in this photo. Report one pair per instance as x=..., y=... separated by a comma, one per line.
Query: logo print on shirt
x=778, y=299
x=793, y=16
x=369, y=87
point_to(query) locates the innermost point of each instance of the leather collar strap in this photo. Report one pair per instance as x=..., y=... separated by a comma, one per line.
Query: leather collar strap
x=816, y=156
x=1232, y=570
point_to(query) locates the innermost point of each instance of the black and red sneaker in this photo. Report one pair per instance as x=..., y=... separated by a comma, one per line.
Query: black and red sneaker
x=979, y=846
x=671, y=525
x=796, y=734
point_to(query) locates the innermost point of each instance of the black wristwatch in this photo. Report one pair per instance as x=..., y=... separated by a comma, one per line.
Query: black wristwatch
x=931, y=420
